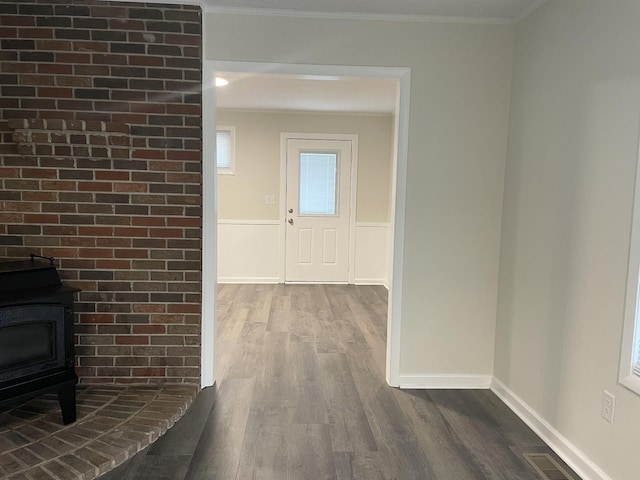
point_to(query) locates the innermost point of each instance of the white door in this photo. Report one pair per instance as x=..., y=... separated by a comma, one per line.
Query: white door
x=318, y=210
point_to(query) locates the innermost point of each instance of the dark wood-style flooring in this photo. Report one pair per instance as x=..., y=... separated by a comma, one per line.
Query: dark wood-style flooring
x=301, y=395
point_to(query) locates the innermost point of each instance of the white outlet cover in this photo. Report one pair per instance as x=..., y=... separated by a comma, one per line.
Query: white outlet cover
x=608, y=406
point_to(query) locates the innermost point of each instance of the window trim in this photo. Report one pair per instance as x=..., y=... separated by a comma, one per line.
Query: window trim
x=231, y=169
x=629, y=375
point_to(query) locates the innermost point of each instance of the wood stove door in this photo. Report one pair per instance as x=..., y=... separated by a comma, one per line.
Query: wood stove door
x=31, y=340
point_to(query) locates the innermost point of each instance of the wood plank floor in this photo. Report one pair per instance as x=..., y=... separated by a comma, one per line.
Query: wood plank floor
x=301, y=395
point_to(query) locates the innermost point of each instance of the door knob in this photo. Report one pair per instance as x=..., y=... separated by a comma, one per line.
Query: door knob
x=291, y=221
x=291, y=210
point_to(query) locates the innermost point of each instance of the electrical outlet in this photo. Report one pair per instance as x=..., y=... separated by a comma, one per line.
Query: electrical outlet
x=608, y=406
x=270, y=199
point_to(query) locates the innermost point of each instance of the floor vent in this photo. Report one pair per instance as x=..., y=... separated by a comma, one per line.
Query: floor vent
x=547, y=467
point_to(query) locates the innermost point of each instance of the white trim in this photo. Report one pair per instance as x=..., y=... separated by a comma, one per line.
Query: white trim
x=627, y=375
x=445, y=381
x=571, y=455
x=396, y=239
x=316, y=113
x=249, y=280
x=371, y=281
x=403, y=75
x=223, y=221
x=383, y=279
x=308, y=69
x=338, y=15
x=389, y=17
x=209, y=230
x=342, y=137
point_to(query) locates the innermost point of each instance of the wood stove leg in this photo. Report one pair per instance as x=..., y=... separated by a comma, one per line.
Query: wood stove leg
x=67, y=400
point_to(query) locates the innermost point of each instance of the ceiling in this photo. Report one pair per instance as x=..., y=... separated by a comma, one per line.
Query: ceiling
x=305, y=93
x=333, y=94
x=461, y=10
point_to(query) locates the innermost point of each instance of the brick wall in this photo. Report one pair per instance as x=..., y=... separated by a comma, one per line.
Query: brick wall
x=100, y=167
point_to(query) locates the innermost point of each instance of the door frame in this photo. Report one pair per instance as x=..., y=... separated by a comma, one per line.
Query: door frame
x=398, y=197
x=284, y=137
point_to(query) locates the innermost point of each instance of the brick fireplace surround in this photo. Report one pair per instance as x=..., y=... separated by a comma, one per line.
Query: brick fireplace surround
x=100, y=167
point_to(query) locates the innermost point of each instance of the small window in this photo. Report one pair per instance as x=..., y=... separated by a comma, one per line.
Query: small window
x=225, y=149
x=318, y=179
x=630, y=355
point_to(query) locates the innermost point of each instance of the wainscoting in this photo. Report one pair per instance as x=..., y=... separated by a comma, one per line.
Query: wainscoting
x=251, y=251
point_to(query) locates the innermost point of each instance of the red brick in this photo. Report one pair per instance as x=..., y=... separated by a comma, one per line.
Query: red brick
x=96, y=318
x=55, y=92
x=95, y=231
x=39, y=173
x=183, y=178
x=132, y=340
x=184, y=222
x=88, y=46
x=8, y=67
x=131, y=232
x=131, y=253
x=55, y=68
x=62, y=252
x=58, y=185
x=149, y=329
x=166, y=232
x=183, y=308
x=72, y=81
x=96, y=253
x=54, y=45
x=35, y=33
x=78, y=242
x=111, y=175
x=114, y=242
x=166, y=166
x=149, y=154
x=95, y=187
x=8, y=32
x=112, y=193
x=148, y=107
x=131, y=187
x=149, y=221
x=17, y=20
x=113, y=264
x=184, y=155
x=9, y=173
x=148, y=372
x=72, y=57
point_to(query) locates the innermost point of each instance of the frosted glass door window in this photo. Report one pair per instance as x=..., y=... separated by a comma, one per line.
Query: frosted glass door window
x=318, y=180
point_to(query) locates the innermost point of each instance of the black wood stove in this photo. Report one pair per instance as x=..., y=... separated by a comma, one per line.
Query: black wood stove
x=36, y=334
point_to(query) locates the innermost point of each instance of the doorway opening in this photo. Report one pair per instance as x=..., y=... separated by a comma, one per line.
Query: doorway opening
x=397, y=198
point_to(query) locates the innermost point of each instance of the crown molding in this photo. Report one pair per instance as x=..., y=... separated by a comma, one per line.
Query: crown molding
x=353, y=16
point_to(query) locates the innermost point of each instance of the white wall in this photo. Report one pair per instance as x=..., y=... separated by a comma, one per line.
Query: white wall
x=572, y=155
x=249, y=251
x=457, y=145
x=257, y=169
x=249, y=244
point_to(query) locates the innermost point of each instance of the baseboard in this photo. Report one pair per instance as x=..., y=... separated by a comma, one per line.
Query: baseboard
x=248, y=280
x=571, y=455
x=370, y=281
x=445, y=381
